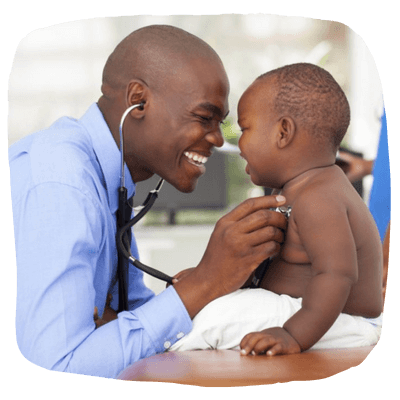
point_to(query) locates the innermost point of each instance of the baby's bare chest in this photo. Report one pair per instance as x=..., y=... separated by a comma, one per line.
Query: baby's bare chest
x=292, y=250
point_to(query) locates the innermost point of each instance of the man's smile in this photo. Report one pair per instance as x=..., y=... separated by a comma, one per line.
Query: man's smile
x=195, y=158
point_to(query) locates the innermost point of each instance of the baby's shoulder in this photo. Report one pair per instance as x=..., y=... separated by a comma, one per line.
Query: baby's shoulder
x=327, y=191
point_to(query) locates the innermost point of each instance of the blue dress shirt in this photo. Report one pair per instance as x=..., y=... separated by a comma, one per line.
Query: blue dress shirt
x=379, y=202
x=64, y=184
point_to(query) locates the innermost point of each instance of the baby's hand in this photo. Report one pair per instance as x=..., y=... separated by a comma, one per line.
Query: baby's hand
x=272, y=341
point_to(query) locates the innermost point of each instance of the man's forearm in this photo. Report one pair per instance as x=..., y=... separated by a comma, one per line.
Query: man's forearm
x=195, y=292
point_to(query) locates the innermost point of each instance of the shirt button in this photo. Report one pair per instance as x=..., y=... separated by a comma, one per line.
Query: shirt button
x=167, y=344
x=180, y=335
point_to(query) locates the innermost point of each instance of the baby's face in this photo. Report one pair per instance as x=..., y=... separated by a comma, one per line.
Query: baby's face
x=259, y=125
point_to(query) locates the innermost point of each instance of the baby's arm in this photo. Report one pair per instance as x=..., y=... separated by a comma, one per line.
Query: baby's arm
x=326, y=235
x=325, y=232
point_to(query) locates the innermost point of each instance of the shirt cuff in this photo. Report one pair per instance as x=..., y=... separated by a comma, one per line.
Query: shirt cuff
x=165, y=319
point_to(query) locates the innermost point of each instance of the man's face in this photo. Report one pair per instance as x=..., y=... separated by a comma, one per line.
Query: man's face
x=183, y=123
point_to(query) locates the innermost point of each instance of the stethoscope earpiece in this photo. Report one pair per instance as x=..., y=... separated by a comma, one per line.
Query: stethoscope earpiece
x=121, y=138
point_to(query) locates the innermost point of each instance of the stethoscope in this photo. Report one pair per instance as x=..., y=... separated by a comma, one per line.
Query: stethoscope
x=125, y=223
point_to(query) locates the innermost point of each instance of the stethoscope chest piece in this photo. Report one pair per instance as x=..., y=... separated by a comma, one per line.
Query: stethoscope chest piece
x=285, y=210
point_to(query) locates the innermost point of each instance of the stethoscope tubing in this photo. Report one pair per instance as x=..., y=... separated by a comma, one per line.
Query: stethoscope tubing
x=123, y=243
x=124, y=224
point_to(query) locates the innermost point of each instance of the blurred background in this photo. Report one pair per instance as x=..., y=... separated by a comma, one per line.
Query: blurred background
x=57, y=71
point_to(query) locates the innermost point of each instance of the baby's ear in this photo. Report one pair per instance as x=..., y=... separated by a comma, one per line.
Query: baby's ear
x=287, y=130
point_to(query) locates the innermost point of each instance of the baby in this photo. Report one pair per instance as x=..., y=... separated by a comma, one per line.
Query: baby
x=324, y=289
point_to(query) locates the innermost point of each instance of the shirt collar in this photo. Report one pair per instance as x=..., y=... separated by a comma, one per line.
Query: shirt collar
x=108, y=154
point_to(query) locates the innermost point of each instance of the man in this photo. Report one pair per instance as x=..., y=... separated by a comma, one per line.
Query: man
x=65, y=183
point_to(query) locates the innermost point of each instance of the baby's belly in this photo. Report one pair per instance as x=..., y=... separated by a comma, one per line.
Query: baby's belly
x=287, y=278
x=283, y=277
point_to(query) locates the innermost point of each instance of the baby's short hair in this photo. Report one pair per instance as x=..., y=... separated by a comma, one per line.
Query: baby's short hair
x=310, y=95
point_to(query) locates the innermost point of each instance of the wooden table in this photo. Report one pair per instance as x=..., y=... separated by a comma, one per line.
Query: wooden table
x=229, y=368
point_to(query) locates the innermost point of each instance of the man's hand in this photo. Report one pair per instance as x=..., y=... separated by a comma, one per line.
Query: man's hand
x=180, y=275
x=354, y=167
x=272, y=341
x=241, y=240
x=108, y=315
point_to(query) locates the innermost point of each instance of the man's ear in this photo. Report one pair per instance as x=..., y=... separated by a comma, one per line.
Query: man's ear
x=136, y=93
x=286, y=131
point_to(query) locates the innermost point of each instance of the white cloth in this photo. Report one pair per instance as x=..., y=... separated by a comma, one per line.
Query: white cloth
x=223, y=323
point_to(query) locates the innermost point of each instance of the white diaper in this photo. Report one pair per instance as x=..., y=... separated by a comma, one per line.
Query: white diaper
x=223, y=323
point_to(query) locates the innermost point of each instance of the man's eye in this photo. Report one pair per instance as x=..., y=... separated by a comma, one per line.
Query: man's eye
x=206, y=119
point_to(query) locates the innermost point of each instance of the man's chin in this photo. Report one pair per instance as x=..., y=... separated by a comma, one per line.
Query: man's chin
x=184, y=181
x=187, y=188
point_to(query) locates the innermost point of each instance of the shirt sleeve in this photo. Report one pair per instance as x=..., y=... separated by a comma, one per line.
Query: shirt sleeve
x=58, y=233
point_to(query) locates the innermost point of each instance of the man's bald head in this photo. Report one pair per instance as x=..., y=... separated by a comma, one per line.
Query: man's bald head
x=152, y=54
x=184, y=89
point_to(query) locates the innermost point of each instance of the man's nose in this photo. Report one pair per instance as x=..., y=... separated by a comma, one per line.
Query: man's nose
x=215, y=137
